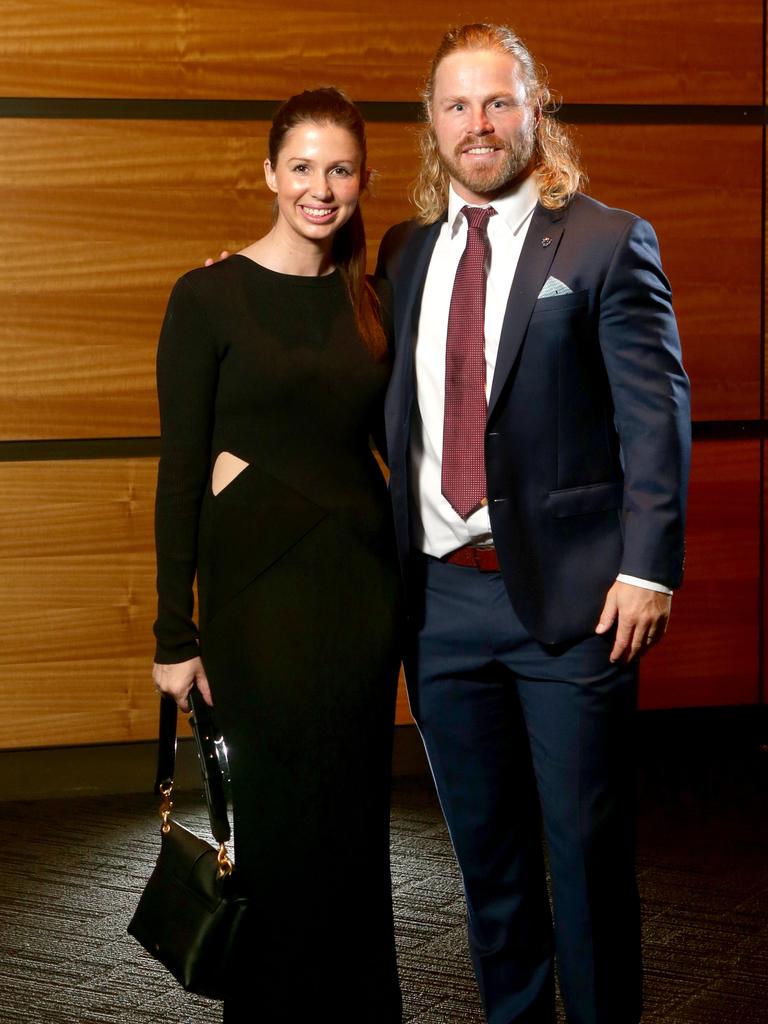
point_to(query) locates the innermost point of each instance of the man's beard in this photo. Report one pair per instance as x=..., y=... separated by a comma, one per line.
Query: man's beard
x=517, y=156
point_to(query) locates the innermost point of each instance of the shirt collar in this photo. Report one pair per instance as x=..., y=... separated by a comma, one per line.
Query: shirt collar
x=514, y=208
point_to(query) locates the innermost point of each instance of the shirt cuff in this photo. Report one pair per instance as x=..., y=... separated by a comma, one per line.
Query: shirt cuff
x=635, y=581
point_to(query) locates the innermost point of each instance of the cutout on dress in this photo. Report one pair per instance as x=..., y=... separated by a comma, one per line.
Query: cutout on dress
x=226, y=468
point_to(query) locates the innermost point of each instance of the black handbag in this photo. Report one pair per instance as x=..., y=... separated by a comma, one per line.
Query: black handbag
x=192, y=909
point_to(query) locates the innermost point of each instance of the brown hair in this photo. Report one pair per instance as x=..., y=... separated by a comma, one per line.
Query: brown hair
x=558, y=171
x=330, y=106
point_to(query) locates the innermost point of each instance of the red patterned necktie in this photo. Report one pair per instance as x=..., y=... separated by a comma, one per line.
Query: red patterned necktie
x=463, y=472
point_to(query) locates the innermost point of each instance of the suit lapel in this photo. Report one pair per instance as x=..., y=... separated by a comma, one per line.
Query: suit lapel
x=408, y=290
x=408, y=285
x=410, y=279
x=536, y=258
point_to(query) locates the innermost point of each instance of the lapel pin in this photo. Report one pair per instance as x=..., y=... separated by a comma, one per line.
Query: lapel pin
x=546, y=241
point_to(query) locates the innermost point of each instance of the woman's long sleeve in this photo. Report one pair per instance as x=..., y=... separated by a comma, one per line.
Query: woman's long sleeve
x=187, y=373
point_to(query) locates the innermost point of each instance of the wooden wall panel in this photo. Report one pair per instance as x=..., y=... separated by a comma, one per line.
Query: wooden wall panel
x=711, y=653
x=641, y=51
x=78, y=598
x=110, y=213
x=101, y=217
x=403, y=710
x=700, y=186
x=77, y=602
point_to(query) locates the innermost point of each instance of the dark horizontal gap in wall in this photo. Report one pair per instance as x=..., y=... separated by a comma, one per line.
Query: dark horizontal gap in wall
x=91, y=769
x=80, y=448
x=374, y=111
x=729, y=430
x=650, y=113
x=695, y=744
x=149, y=447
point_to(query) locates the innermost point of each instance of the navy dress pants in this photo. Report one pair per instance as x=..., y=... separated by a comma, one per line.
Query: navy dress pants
x=517, y=733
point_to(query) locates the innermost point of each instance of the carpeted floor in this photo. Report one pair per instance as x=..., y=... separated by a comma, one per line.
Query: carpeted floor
x=70, y=872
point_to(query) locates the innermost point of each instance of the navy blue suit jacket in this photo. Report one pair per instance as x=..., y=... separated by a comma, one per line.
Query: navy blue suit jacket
x=587, y=442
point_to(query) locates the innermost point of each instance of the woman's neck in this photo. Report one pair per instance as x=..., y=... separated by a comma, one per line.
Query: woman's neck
x=289, y=254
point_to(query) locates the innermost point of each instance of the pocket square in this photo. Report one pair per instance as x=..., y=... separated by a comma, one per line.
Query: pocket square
x=554, y=287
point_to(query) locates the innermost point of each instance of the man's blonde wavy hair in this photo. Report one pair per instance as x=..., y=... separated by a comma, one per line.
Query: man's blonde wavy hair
x=558, y=171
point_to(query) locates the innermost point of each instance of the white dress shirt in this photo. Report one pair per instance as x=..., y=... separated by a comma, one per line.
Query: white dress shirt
x=437, y=528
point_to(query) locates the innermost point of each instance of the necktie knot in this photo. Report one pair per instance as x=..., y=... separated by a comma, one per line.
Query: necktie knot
x=478, y=216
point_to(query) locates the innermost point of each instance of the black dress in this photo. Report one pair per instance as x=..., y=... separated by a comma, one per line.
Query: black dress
x=298, y=616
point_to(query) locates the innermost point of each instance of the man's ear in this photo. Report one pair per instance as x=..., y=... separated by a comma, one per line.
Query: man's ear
x=269, y=176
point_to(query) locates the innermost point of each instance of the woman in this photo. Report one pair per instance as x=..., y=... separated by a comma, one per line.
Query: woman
x=271, y=374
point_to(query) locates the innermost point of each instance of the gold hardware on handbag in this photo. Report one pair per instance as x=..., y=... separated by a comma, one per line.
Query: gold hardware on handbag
x=192, y=909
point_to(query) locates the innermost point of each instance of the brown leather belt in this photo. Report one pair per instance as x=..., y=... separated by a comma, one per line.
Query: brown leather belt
x=484, y=559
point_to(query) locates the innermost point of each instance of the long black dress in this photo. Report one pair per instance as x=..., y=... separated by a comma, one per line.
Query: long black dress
x=298, y=617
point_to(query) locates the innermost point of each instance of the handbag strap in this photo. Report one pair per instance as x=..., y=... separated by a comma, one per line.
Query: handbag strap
x=211, y=752
x=166, y=744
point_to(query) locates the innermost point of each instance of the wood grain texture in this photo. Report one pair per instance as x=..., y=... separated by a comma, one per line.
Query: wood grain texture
x=710, y=655
x=403, y=714
x=77, y=602
x=700, y=186
x=101, y=217
x=110, y=214
x=639, y=51
x=78, y=598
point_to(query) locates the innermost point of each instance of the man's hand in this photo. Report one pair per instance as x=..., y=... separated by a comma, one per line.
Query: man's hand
x=177, y=680
x=643, y=616
x=223, y=256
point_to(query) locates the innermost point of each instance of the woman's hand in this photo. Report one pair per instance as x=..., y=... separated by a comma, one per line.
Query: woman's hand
x=223, y=256
x=177, y=680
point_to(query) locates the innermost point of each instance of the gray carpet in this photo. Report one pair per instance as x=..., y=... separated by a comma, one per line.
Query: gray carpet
x=70, y=872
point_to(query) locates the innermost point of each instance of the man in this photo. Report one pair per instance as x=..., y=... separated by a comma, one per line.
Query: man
x=538, y=442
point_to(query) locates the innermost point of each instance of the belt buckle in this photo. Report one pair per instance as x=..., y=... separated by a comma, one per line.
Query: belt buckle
x=482, y=564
